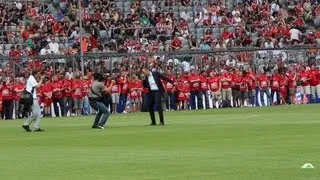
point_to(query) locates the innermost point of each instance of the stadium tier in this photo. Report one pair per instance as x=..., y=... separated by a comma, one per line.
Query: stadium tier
x=193, y=42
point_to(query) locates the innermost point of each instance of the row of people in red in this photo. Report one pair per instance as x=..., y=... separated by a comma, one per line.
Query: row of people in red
x=190, y=88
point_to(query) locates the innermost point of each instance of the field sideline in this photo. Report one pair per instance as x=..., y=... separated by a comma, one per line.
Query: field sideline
x=227, y=144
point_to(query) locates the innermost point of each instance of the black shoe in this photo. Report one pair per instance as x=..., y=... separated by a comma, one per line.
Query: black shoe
x=161, y=124
x=27, y=128
x=95, y=127
x=38, y=130
x=152, y=124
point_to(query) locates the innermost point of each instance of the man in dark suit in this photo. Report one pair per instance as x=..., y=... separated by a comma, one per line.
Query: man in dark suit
x=152, y=81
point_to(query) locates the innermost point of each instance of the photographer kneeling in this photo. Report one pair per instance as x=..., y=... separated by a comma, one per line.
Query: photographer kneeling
x=96, y=98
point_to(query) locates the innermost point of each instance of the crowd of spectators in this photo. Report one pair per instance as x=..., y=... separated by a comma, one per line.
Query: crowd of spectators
x=151, y=26
x=31, y=27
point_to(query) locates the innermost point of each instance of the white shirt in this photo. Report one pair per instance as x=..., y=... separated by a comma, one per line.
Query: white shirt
x=152, y=83
x=184, y=16
x=275, y=8
x=69, y=74
x=54, y=47
x=294, y=34
x=45, y=51
x=31, y=83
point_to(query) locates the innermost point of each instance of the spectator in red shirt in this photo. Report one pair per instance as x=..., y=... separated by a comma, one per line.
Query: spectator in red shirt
x=85, y=94
x=17, y=89
x=124, y=86
x=183, y=92
x=275, y=86
x=236, y=81
x=6, y=92
x=264, y=84
x=226, y=91
x=305, y=78
x=169, y=95
x=195, y=91
x=251, y=80
x=176, y=44
x=57, y=96
x=115, y=94
x=135, y=90
x=284, y=88
x=204, y=88
x=46, y=95
x=314, y=82
x=67, y=95
x=214, y=84
x=76, y=93
x=226, y=36
x=243, y=89
x=292, y=81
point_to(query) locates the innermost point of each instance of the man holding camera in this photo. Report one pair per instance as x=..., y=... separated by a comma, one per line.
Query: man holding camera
x=31, y=87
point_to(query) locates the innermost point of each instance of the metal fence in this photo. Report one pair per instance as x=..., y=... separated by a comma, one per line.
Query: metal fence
x=243, y=58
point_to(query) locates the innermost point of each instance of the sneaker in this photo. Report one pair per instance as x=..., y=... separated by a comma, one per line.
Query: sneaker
x=100, y=127
x=38, y=130
x=26, y=128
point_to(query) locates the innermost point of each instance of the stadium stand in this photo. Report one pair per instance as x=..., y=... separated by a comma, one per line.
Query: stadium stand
x=52, y=27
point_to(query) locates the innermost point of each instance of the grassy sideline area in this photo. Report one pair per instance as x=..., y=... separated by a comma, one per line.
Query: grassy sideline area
x=227, y=144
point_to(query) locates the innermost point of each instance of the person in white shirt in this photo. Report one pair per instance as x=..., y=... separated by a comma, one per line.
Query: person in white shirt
x=54, y=46
x=274, y=7
x=268, y=43
x=46, y=50
x=294, y=35
x=31, y=87
x=184, y=15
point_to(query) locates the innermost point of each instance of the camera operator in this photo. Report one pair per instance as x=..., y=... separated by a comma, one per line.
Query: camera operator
x=96, y=98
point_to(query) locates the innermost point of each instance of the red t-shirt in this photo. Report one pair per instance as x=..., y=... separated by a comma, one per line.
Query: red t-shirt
x=204, y=83
x=176, y=43
x=6, y=92
x=16, y=90
x=169, y=86
x=86, y=88
x=304, y=76
x=263, y=81
x=214, y=83
x=194, y=81
x=315, y=77
x=226, y=84
x=46, y=89
x=57, y=89
x=225, y=35
x=115, y=88
x=251, y=81
x=275, y=82
x=236, y=80
x=67, y=88
x=134, y=92
x=283, y=84
x=292, y=81
x=77, y=89
x=244, y=84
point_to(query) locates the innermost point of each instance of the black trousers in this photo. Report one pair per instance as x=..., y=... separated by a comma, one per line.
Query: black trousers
x=155, y=103
x=56, y=108
x=7, y=109
x=199, y=96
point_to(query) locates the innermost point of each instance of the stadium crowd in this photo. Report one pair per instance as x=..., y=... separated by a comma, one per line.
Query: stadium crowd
x=31, y=28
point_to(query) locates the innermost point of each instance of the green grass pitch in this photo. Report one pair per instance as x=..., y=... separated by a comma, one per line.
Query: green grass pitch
x=227, y=144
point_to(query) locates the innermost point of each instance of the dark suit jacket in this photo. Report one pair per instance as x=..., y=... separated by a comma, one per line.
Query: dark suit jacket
x=157, y=78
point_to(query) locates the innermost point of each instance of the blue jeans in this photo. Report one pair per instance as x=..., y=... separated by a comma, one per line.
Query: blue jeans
x=262, y=92
x=102, y=113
